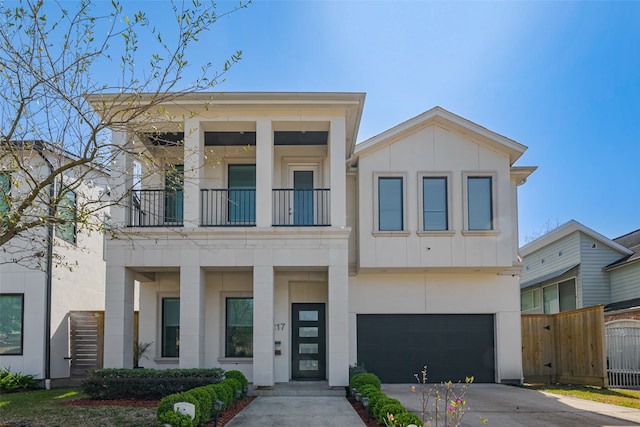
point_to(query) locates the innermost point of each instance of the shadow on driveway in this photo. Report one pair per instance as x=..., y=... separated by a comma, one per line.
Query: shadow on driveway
x=509, y=406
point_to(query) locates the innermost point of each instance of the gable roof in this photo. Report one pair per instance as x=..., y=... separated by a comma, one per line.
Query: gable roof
x=448, y=120
x=564, y=230
x=632, y=242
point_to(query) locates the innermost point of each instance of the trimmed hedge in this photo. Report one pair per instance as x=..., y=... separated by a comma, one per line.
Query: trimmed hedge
x=239, y=376
x=359, y=380
x=146, y=384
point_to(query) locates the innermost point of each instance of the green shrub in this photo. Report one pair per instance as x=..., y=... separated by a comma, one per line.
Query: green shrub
x=406, y=418
x=210, y=389
x=359, y=380
x=224, y=393
x=10, y=381
x=165, y=410
x=175, y=419
x=237, y=375
x=234, y=384
x=367, y=389
x=146, y=384
x=376, y=407
x=358, y=368
x=205, y=404
x=390, y=408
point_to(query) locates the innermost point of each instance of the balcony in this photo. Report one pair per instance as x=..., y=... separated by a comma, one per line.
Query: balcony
x=156, y=208
x=230, y=208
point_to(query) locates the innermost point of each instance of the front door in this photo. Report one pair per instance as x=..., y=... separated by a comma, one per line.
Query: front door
x=308, y=349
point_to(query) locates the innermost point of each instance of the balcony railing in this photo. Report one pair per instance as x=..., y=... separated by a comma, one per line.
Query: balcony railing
x=299, y=208
x=155, y=208
x=228, y=207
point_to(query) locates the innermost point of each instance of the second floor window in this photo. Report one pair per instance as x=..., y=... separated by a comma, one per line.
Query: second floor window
x=242, y=194
x=66, y=215
x=390, y=204
x=435, y=210
x=479, y=203
x=5, y=193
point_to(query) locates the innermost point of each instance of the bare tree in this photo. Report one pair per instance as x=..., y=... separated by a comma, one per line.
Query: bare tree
x=548, y=226
x=55, y=142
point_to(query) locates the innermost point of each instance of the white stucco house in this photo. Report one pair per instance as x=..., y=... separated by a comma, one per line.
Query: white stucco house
x=574, y=266
x=40, y=283
x=271, y=243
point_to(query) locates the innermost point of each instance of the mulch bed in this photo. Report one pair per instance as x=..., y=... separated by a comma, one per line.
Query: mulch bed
x=223, y=418
x=367, y=419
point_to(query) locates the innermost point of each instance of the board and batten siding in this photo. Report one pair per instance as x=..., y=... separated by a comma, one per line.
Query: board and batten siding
x=594, y=257
x=625, y=282
x=561, y=254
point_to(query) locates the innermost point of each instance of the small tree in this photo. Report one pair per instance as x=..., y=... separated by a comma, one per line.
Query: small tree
x=53, y=140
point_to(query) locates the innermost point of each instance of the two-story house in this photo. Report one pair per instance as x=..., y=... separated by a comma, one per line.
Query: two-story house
x=574, y=266
x=49, y=270
x=263, y=239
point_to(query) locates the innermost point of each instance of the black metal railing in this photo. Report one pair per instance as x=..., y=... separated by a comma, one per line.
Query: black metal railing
x=228, y=207
x=302, y=208
x=156, y=208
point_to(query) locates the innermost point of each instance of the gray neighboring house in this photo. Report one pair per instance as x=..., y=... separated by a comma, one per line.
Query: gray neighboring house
x=574, y=266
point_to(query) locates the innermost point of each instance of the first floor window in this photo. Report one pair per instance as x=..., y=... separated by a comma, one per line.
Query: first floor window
x=11, y=323
x=434, y=200
x=390, y=204
x=66, y=214
x=479, y=203
x=559, y=297
x=170, y=327
x=239, y=327
x=5, y=192
x=530, y=300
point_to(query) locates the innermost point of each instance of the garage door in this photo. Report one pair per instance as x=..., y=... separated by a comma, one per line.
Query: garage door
x=452, y=346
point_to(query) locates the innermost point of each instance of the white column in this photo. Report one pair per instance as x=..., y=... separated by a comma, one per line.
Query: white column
x=509, y=346
x=192, y=314
x=338, y=171
x=338, y=319
x=263, y=339
x=121, y=177
x=193, y=171
x=264, y=173
x=118, y=318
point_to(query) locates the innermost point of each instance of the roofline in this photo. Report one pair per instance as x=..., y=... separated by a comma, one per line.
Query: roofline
x=564, y=230
x=521, y=173
x=438, y=115
x=620, y=264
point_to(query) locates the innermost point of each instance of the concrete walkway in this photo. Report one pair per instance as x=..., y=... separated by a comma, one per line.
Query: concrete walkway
x=509, y=406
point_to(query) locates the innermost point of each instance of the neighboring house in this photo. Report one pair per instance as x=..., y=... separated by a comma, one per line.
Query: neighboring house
x=38, y=289
x=573, y=266
x=271, y=243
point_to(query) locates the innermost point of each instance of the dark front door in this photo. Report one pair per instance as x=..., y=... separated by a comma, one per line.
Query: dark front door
x=308, y=349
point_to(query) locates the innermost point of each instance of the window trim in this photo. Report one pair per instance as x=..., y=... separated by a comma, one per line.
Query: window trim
x=222, y=358
x=376, y=205
x=65, y=191
x=495, y=229
x=450, y=231
x=21, y=295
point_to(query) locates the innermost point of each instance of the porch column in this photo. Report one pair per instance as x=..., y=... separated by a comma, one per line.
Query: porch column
x=118, y=318
x=338, y=171
x=193, y=171
x=264, y=173
x=338, y=319
x=121, y=178
x=263, y=339
x=192, y=308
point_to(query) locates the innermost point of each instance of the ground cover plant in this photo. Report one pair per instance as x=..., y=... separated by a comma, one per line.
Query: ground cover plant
x=618, y=397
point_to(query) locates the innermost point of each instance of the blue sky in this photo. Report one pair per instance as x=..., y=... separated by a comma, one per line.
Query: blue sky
x=562, y=78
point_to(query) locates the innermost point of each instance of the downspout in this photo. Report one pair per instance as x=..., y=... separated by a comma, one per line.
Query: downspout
x=48, y=273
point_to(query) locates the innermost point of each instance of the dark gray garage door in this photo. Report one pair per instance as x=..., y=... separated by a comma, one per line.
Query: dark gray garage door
x=452, y=346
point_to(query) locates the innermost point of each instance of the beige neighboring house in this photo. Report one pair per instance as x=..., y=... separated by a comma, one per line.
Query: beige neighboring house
x=38, y=289
x=271, y=243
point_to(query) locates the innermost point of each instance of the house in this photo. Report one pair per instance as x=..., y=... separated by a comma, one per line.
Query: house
x=268, y=241
x=574, y=266
x=41, y=282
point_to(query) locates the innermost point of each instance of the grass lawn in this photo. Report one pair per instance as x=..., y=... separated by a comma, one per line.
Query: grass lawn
x=42, y=408
x=619, y=397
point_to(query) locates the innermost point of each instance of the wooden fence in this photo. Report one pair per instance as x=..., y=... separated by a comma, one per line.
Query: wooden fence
x=565, y=348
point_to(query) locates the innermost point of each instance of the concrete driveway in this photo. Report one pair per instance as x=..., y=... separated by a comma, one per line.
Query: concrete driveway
x=509, y=406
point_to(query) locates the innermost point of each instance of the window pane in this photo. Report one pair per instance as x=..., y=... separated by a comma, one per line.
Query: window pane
x=308, y=332
x=550, y=296
x=239, y=335
x=308, y=348
x=242, y=193
x=174, y=194
x=480, y=203
x=434, y=196
x=526, y=301
x=567, y=292
x=311, y=316
x=308, y=365
x=5, y=191
x=66, y=211
x=170, y=327
x=11, y=319
x=390, y=204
